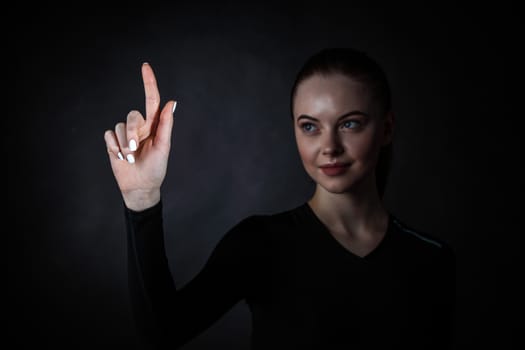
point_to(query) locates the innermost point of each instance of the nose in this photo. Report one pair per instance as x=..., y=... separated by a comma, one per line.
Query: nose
x=331, y=145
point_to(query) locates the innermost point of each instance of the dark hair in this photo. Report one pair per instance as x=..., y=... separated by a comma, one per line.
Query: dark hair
x=360, y=67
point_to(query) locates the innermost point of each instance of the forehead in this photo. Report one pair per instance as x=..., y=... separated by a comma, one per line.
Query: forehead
x=325, y=95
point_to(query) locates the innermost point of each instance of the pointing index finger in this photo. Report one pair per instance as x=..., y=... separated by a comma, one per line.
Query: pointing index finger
x=151, y=92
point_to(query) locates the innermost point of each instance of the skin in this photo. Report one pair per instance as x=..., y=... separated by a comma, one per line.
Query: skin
x=348, y=205
x=139, y=173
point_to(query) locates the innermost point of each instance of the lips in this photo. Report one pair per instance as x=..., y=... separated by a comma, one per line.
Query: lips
x=334, y=165
x=334, y=169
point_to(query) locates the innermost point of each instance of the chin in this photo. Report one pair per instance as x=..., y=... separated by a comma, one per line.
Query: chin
x=336, y=188
x=342, y=184
x=334, y=185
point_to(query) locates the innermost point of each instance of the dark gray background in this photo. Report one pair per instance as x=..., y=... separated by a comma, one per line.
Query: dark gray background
x=231, y=66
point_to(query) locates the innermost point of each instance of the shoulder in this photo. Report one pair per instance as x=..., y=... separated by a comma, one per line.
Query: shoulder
x=258, y=224
x=261, y=226
x=249, y=239
x=270, y=220
x=422, y=243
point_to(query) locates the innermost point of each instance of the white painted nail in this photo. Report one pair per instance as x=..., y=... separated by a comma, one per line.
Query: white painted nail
x=130, y=158
x=174, y=106
x=132, y=145
x=120, y=156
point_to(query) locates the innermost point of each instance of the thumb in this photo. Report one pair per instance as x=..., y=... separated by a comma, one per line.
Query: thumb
x=165, y=125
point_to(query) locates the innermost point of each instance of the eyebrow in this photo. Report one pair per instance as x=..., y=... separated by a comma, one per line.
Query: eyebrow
x=305, y=116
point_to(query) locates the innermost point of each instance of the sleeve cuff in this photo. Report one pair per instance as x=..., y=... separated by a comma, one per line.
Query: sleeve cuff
x=135, y=215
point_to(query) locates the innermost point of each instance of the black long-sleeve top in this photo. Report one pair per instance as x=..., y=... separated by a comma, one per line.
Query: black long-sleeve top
x=303, y=288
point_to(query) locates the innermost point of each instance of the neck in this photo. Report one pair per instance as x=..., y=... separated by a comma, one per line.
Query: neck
x=353, y=213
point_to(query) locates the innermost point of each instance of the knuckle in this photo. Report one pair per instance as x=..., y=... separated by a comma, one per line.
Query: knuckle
x=120, y=125
x=133, y=114
x=133, y=118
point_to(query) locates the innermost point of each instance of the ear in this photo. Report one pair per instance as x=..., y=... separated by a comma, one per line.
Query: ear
x=388, y=134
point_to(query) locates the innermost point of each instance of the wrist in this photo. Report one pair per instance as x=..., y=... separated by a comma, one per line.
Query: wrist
x=139, y=200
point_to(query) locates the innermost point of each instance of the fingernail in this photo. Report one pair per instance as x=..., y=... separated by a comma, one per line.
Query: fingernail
x=132, y=145
x=145, y=63
x=120, y=156
x=130, y=158
x=174, y=106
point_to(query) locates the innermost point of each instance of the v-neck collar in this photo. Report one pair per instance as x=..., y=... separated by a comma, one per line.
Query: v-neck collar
x=319, y=226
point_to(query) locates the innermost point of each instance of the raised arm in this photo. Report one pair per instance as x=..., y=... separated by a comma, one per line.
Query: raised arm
x=167, y=316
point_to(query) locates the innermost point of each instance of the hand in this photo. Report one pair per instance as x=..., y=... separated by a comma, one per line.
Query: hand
x=139, y=148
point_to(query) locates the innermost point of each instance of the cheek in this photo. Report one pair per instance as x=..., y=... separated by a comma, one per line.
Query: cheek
x=364, y=146
x=306, y=149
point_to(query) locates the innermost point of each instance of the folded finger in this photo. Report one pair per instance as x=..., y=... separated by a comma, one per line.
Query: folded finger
x=133, y=123
x=120, y=132
x=112, y=144
x=163, y=136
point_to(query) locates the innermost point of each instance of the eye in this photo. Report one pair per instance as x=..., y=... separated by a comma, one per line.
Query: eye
x=351, y=124
x=308, y=127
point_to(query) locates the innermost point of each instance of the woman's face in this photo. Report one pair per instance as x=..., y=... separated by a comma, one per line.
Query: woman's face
x=336, y=122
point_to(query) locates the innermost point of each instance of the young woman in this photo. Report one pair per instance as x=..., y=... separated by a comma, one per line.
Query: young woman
x=338, y=271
